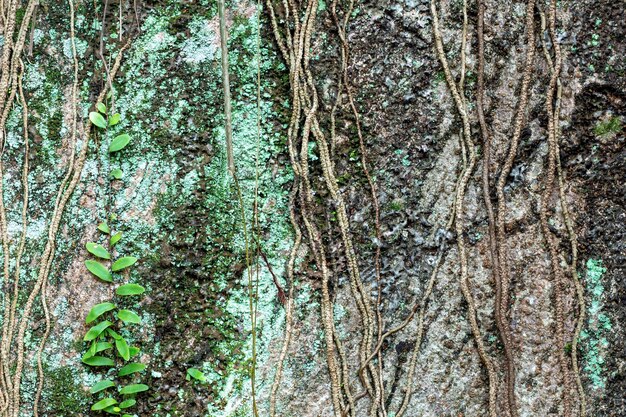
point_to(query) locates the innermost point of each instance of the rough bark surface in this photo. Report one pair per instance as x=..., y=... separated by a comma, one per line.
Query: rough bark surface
x=180, y=214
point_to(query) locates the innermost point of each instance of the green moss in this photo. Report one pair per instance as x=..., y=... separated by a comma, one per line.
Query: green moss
x=64, y=396
x=608, y=127
x=396, y=205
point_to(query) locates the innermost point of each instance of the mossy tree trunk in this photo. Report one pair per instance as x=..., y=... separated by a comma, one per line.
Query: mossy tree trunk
x=386, y=86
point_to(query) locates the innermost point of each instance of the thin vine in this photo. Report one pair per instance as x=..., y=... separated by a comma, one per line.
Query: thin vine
x=252, y=292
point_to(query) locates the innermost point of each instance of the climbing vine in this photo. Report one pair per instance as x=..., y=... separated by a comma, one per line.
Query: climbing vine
x=360, y=382
x=109, y=339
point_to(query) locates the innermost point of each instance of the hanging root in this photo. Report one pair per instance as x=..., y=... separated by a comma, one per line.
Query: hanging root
x=553, y=111
x=344, y=83
x=459, y=203
x=543, y=212
x=292, y=51
x=501, y=322
x=10, y=81
x=252, y=297
x=10, y=59
x=501, y=272
x=289, y=303
x=294, y=41
x=573, y=267
x=573, y=238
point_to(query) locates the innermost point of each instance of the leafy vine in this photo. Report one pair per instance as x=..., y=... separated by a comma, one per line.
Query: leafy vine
x=111, y=324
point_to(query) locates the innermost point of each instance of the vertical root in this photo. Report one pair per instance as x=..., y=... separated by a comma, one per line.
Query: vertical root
x=501, y=323
x=64, y=193
x=553, y=102
x=459, y=205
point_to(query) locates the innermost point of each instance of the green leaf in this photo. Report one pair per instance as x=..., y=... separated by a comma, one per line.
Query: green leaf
x=114, y=119
x=131, y=368
x=195, y=374
x=116, y=238
x=130, y=289
x=102, y=385
x=99, y=270
x=126, y=415
x=123, y=262
x=100, y=346
x=134, y=388
x=122, y=348
x=102, y=404
x=98, y=361
x=97, y=119
x=112, y=410
x=128, y=316
x=113, y=334
x=101, y=108
x=96, y=330
x=119, y=143
x=134, y=350
x=97, y=347
x=104, y=228
x=98, y=310
x=92, y=350
x=116, y=173
x=97, y=250
x=128, y=403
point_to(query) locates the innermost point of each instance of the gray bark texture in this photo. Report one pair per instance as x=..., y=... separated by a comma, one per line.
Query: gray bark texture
x=376, y=209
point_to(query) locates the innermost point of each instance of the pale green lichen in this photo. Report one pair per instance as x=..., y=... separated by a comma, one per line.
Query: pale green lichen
x=593, y=338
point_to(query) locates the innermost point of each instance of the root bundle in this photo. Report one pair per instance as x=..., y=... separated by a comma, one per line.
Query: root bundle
x=18, y=319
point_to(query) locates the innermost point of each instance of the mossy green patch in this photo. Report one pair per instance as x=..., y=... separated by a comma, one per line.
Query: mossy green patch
x=611, y=126
x=65, y=397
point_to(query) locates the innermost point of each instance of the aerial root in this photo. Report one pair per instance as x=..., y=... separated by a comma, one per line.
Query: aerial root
x=459, y=213
x=553, y=103
x=294, y=41
x=494, y=244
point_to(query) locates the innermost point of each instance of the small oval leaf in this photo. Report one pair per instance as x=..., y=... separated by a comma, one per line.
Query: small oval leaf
x=98, y=250
x=102, y=404
x=130, y=289
x=122, y=348
x=98, y=361
x=134, y=350
x=128, y=316
x=123, y=262
x=113, y=334
x=92, y=350
x=95, y=348
x=97, y=119
x=101, y=108
x=119, y=143
x=102, y=385
x=99, y=270
x=134, y=388
x=128, y=403
x=195, y=374
x=104, y=228
x=116, y=238
x=98, y=310
x=116, y=173
x=114, y=119
x=96, y=330
x=131, y=368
